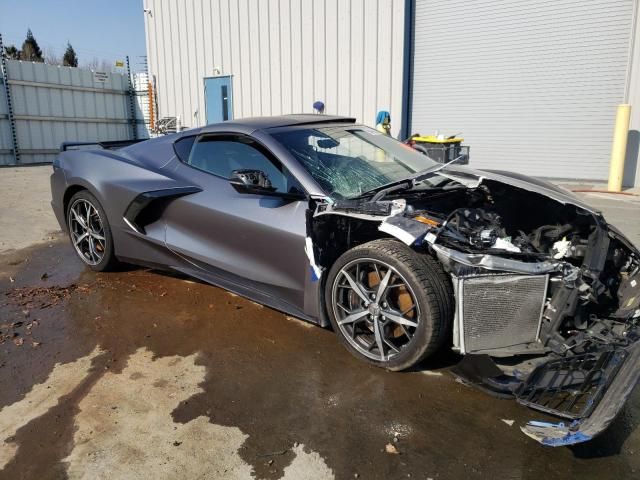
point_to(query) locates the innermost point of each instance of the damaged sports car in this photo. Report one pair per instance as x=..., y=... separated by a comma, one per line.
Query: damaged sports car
x=334, y=223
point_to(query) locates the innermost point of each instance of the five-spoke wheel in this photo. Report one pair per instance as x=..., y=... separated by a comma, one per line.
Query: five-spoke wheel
x=389, y=304
x=375, y=308
x=89, y=231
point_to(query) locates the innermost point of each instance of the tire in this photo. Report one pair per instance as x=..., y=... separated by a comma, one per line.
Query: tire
x=96, y=248
x=425, y=326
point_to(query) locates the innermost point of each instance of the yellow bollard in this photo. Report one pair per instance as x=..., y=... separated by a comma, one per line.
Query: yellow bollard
x=619, y=147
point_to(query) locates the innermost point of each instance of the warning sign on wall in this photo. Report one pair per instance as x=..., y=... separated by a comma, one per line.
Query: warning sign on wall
x=100, y=77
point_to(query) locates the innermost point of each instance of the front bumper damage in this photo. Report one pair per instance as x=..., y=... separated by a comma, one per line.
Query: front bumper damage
x=583, y=376
x=547, y=294
x=603, y=396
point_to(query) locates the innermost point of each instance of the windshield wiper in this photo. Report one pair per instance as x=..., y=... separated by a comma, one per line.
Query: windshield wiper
x=437, y=168
x=398, y=185
x=406, y=183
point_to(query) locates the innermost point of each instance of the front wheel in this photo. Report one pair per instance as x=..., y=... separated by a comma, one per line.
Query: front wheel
x=388, y=304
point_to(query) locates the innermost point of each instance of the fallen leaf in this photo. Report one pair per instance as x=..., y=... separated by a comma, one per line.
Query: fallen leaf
x=508, y=422
x=36, y=344
x=391, y=448
x=11, y=279
x=44, y=276
x=25, y=313
x=18, y=341
x=163, y=294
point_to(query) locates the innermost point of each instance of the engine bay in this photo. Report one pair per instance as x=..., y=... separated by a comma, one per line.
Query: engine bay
x=591, y=293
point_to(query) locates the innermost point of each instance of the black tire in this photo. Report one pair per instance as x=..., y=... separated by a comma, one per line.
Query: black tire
x=426, y=281
x=105, y=249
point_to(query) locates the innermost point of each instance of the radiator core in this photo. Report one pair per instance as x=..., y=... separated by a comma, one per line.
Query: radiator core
x=498, y=311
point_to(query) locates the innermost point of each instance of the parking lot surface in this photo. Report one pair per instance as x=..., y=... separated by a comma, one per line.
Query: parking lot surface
x=143, y=374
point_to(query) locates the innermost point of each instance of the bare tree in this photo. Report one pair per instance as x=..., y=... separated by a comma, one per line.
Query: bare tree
x=106, y=66
x=99, y=65
x=93, y=64
x=51, y=57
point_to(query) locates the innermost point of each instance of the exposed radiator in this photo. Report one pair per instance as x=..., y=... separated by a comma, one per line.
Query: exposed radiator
x=498, y=311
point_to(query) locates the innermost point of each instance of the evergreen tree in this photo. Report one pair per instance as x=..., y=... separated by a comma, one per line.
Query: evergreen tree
x=11, y=52
x=30, y=50
x=70, y=59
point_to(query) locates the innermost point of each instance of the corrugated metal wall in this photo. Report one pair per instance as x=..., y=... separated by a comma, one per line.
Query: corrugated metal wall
x=54, y=104
x=532, y=86
x=283, y=55
x=143, y=104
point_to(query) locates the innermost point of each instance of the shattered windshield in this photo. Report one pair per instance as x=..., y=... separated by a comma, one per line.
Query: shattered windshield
x=347, y=161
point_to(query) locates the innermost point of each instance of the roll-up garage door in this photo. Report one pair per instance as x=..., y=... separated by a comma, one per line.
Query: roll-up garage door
x=531, y=86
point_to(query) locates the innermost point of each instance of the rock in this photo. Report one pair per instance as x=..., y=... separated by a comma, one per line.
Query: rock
x=391, y=449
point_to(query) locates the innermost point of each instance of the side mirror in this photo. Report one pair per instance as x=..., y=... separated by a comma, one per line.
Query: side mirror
x=251, y=181
x=257, y=182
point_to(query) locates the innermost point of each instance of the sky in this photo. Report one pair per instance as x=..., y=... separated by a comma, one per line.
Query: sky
x=103, y=29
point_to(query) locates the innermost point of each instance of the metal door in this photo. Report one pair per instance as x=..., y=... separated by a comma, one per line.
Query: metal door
x=532, y=86
x=253, y=240
x=218, y=99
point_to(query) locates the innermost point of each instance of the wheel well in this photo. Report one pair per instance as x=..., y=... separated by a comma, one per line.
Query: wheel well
x=70, y=192
x=333, y=235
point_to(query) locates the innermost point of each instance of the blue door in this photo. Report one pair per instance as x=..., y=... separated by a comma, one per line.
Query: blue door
x=218, y=100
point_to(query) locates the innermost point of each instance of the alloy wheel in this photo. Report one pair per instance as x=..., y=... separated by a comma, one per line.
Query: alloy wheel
x=87, y=231
x=375, y=308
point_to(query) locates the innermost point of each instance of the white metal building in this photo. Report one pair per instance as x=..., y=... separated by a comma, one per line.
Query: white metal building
x=532, y=86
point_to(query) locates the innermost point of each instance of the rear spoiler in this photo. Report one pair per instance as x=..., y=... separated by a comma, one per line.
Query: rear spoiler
x=109, y=145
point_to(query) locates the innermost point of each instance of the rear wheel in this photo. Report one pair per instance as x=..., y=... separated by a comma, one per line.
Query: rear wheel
x=90, y=233
x=389, y=305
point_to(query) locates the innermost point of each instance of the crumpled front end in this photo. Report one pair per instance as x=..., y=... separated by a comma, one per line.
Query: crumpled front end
x=547, y=294
x=556, y=305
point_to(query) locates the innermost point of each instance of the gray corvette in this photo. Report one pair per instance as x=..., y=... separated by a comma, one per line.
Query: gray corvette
x=336, y=224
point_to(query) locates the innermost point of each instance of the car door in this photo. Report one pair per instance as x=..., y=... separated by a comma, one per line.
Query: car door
x=254, y=241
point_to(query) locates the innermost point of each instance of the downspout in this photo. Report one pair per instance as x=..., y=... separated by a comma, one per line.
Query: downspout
x=631, y=95
x=407, y=70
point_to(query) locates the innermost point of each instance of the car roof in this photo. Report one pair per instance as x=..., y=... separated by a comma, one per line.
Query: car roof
x=261, y=123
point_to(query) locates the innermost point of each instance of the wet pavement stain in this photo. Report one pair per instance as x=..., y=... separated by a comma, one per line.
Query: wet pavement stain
x=293, y=396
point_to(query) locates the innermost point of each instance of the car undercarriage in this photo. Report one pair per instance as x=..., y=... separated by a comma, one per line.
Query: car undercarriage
x=547, y=304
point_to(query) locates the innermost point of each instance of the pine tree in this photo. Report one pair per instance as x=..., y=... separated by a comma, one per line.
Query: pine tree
x=30, y=50
x=69, y=58
x=11, y=52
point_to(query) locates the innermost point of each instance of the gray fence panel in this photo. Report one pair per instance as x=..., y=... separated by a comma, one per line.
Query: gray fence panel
x=54, y=104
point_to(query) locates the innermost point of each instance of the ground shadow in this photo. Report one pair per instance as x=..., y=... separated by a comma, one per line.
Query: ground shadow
x=611, y=441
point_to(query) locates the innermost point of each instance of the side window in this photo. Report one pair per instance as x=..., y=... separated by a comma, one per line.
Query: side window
x=221, y=155
x=182, y=147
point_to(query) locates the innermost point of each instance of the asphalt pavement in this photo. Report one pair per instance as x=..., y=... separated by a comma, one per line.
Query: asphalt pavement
x=144, y=374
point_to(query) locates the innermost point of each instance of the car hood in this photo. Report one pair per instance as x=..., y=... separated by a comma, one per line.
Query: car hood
x=518, y=180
